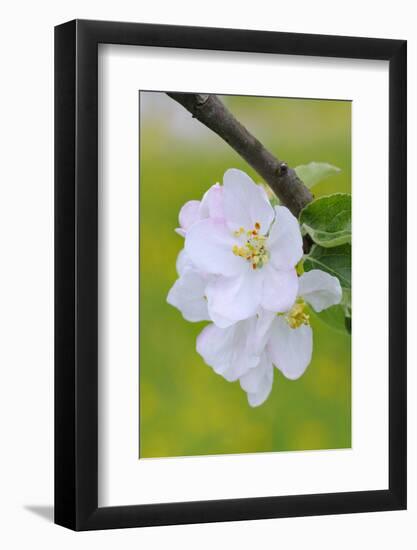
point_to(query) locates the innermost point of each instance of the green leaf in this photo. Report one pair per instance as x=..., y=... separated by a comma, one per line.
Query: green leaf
x=333, y=316
x=328, y=220
x=312, y=173
x=336, y=261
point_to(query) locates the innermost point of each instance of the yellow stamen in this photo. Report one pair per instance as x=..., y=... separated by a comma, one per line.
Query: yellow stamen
x=297, y=315
x=254, y=249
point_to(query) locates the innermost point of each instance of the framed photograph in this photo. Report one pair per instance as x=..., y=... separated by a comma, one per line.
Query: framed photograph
x=230, y=255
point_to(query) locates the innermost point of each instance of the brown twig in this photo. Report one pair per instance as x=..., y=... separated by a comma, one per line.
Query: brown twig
x=211, y=112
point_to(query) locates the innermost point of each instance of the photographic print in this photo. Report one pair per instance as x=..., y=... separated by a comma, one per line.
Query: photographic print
x=203, y=311
x=245, y=274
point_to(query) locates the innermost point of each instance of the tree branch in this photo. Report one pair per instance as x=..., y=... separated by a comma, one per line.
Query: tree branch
x=211, y=112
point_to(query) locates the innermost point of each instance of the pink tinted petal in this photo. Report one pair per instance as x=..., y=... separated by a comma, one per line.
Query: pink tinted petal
x=209, y=245
x=235, y=298
x=212, y=203
x=285, y=243
x=226, y=350
x=320, y=289
x=189, y=214
x=245, y=203
x=280, y=289
x=290, y=348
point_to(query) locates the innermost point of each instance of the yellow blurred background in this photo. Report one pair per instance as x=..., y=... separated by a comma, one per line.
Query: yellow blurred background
x=185, y=408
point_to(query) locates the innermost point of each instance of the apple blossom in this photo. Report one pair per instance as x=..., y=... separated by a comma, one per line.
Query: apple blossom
x=288, y=337
x=237, y=269
x=252, y=250
x=248, y=349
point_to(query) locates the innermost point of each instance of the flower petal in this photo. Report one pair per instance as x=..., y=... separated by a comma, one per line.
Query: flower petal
x=280, y=289
x=212, y=203
x=258, y=381
x=290, y=348
x=245, y=203
x=264, y=319
x=253, y=380
x=220, y=320
x=285, y=243
x=180, y=231
x=320, y=289
x=187, y=295
x=209, y=245
x=235, y=298
x=256, y=399
x=227, y=350
x=183, y=262
x=189, y=214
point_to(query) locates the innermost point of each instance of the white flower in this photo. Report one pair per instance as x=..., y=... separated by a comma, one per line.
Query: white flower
x=237, y=269
x=211, y=206
x=252, y=251
x=248, y=349
x=288, y=337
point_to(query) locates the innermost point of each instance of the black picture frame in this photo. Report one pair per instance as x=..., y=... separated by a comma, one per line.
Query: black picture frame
x=76, y=272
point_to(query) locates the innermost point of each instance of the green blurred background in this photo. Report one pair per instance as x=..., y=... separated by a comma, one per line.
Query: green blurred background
x=185, y=408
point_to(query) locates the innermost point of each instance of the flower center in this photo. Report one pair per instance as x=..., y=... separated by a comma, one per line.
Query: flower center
x=253, y=247
x=297, y=315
